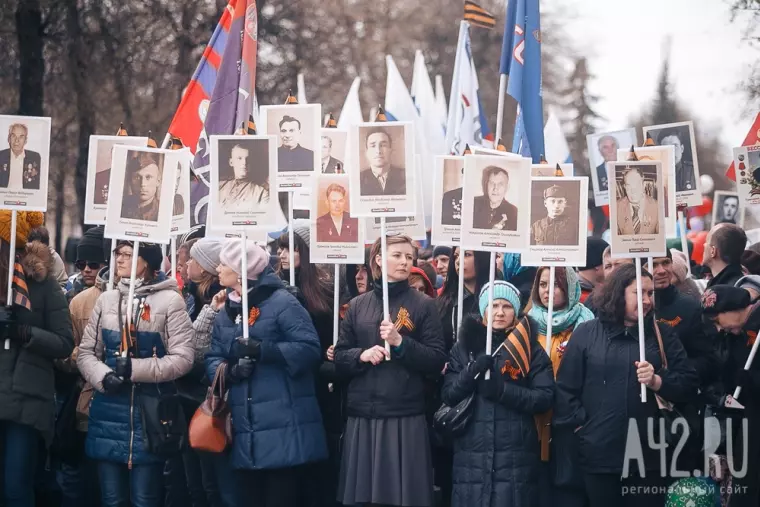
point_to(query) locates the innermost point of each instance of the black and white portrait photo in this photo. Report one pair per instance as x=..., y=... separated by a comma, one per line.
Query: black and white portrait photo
x=142, y=184
x=494, y=199
x=727, y=208
x=382, y=172
x=99, y=173
x=299, y=141
x=448, y=180
x=602, y=148
x=24, y=156
x=243, y=178
x=681, y=137
x=141, y=193
x=554, y=213
x=637, y=215
x=491, y=209
x=181, y=204
x=333, y=151
x=243, y=174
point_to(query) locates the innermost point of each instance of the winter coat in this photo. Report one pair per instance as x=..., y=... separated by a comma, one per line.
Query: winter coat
x=598, y=390
x=275, y=416
x=394, y=388
x=684, y=316
x=164, y=352
x=27, y=384
x=728, y=276
x=497, y=459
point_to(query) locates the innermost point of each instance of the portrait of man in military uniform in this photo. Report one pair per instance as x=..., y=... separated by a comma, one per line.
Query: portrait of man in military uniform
x=291, y=156
x=560, y=225
x=451, y=201
x=637, y=211
x=19, y=167
x=142, y=186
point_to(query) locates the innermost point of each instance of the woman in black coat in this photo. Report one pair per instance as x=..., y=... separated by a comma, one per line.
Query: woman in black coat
x=497, y=459
x=386, y=456
x=598, y=386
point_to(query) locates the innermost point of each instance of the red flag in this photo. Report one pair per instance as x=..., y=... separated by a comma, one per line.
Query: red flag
x=753, y=137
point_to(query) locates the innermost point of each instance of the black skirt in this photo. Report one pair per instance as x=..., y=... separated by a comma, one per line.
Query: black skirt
x=386, y=461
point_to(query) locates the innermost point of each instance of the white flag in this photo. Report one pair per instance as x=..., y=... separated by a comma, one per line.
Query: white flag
x=424, y=99
x=440, y=100
x=351, y=113
x=557, y=150
x=301, y=90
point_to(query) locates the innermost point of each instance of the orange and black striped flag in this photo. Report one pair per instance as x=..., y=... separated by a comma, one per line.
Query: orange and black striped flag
x=151, y=142
x=380, y=116
x=291, y=98
x=518, y=346
x=558, y=172
x=649, y=141
x=176, y=143
x=20, y=289
x=330, y=123
x=122, y=131
x=478, y=16
x=632, y=155
x=250, y=126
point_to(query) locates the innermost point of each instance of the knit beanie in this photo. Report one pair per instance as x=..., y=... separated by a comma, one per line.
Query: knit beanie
x=501, y=290
x=304, y=233
x=724, y=298
x=231, y=255
x=594, y=252
x=205, y=252
x=441, y=250
x=90, y=247
x=152, y=254
x=25, y=222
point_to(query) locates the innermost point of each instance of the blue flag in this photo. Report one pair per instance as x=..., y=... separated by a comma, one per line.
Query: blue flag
x=521, y=61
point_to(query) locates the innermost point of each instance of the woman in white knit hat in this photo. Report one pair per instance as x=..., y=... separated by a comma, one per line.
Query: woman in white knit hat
x=277, y=426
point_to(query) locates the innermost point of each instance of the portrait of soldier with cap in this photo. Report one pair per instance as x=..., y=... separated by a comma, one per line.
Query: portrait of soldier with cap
x=560, y=225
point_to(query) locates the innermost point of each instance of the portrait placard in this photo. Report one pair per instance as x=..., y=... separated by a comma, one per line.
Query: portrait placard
x=549, y=170
x=382, y=168
x=448, y=178
x=243, y=169
x=495, y=194
x=480, y=150
x=141, y=193
x=412, y=226
x=24, y=162
x=261, y=238
x=181, y=206
x=666, y=155
x=558, y=218
x=334, y=152
x=637, y=228
x=99, y=174
x=747, y=166
x=727, y=209
x=686, y=176
x=297, y=130
x=336, y=236
x=602, y=148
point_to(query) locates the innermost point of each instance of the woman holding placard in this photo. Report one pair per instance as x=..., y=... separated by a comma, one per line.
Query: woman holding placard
x=276, y=422
x=129, y=367
x=562, y=482
x=386, y=432
x=36, y=329
x=316, y=290
x=598, y=391
x=497, y=458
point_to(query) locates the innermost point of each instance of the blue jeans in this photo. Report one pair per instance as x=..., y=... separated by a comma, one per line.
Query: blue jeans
x=143, y=485
x=20, y=449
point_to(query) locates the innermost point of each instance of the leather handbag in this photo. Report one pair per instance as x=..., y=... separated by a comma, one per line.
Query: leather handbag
x=210, y=427
x=452, y=422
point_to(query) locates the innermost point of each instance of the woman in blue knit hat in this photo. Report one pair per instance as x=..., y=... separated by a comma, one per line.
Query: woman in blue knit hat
x=497, y=458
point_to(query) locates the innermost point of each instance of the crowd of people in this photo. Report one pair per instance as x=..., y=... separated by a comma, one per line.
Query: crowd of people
x=95, y=387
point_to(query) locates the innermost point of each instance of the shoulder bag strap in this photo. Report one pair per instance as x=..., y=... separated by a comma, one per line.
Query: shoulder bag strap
x=663, y=357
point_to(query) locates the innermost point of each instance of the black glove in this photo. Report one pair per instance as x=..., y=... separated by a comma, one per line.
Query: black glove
x=241, y=370
x=482, y=363
x=491, y=389
x=247, y=347
x=112, y=383
x=124, y=367
x=7, y=316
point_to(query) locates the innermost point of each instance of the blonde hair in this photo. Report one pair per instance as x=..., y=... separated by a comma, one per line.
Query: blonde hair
x=377, y=273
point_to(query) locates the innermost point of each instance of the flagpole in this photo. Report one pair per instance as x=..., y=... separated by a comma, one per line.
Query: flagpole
x=684, y=243
x=500, y=108
x=11, y=268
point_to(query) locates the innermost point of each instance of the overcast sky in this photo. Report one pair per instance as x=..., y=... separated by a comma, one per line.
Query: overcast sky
x=709, y=59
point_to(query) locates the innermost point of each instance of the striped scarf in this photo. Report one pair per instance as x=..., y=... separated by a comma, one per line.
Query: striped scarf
x=20, y=289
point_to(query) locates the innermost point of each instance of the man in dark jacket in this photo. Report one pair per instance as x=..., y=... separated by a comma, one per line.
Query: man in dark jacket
x=684, y=316
x=724, y=246
x=592, y=274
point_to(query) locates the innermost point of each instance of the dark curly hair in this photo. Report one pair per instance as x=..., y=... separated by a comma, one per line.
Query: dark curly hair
x=611, y=297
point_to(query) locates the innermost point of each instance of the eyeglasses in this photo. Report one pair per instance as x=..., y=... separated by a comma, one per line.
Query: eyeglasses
x=80, y=265
x=123, y=255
